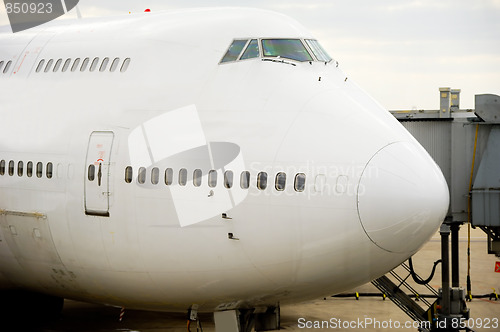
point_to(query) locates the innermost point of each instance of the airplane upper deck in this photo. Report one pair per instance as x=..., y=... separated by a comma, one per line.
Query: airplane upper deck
x=163, y=25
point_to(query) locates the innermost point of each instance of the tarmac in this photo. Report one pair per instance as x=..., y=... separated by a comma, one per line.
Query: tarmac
x=369, y=313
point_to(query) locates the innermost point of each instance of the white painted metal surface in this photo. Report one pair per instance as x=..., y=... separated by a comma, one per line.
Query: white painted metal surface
x=372, y=195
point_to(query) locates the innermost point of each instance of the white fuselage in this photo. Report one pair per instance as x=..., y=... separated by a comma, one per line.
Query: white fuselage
x=372, y=195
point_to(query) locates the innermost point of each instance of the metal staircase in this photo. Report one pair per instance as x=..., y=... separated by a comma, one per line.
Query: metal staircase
x=395, y=287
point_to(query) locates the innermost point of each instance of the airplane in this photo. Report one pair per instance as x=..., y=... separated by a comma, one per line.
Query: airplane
x=202, y=160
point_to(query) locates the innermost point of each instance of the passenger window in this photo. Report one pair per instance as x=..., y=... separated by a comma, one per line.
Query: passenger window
x=75, y=64
x=228, y=179
x=234, y=50
x=245, y=179
x=300, y=182
x=141, y=178
x=20, y=168
x=7, y=66
x=197, y=177
x=183, y=176
x=286, y=48
x=169, y=176
x=49, y=171
x=91, y=172
x=125, y=65
x=38, y=68
x=85, y=63
x=57, y=65
x=11, y=167
x=66, y=65
x=49, y=65
x=39, y=170
x=129, y=174
x=212, y=178
x=155, y=175
x=318, y=51
x=2, y=167
x=252, y=50
x=114, y=64
x=319, y=182
x=94, y=64
x=262, y=180
x=29, y=169
x=104, y=64
x=280, y=181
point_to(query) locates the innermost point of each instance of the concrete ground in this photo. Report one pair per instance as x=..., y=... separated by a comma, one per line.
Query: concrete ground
x=376, y=313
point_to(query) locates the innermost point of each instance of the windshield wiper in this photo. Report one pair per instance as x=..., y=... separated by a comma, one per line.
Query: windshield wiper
x=279, y=61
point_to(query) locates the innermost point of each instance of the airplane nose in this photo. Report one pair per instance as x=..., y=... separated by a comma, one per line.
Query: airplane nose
x=402, y=198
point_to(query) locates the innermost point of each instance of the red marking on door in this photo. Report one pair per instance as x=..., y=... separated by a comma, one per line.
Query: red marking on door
x=497, y=267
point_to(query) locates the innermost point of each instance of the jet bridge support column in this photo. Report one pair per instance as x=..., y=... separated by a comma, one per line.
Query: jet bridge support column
x=455, y=267
x=452, y=307
x=445, y=268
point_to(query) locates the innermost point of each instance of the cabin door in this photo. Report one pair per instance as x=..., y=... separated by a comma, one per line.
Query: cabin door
x=97, y=173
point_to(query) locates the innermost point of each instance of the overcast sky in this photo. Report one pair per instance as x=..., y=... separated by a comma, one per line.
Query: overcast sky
x=399, y=51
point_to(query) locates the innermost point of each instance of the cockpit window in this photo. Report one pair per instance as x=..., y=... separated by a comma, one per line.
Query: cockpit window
x=286, y=48
x=234, y=50
x=318, y=51
x=252, y=50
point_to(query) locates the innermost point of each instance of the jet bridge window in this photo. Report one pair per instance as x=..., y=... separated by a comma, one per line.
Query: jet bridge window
x=234, y=50
x=286, y=48
x=252, y=50
x=318, y=51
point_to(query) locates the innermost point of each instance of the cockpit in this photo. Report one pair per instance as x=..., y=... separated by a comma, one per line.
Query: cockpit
x=296, y=49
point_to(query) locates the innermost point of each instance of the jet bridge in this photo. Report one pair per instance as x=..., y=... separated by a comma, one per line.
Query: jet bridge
x=466, y=145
